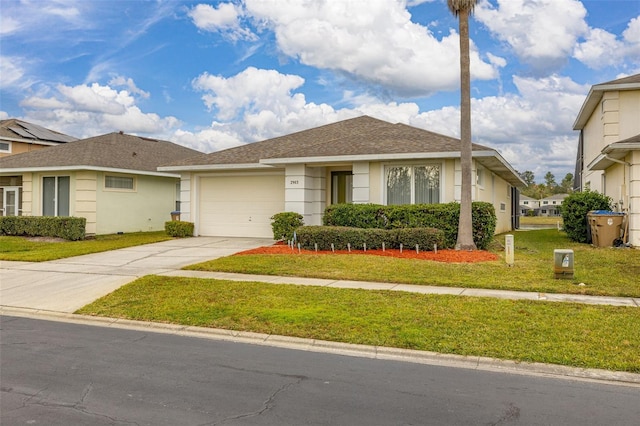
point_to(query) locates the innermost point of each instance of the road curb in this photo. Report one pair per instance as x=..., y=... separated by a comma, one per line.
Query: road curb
x=363, y=351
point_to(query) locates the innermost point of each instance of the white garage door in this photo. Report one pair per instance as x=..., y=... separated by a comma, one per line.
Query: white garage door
x=239, y=206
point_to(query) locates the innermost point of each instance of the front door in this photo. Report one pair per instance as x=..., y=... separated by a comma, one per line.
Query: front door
x=341, y=187
x=10, y=201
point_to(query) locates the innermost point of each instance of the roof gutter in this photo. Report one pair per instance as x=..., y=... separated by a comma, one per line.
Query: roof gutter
x=10, y=171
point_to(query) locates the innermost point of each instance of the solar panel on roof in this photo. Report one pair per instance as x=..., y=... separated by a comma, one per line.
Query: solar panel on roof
x=44, y=134
x=22, y=132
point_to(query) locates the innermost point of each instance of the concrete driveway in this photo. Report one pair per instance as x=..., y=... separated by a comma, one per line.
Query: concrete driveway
x=66, y=285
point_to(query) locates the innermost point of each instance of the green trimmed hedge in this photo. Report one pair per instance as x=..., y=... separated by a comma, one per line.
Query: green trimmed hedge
x=284, y=225
x=440, y=216
x=340, y=236
x=179, y=229
x=69, y=228
x=574, y=210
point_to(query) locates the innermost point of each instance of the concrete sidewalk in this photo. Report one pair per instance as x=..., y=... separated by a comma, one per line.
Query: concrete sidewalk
x=423, y=289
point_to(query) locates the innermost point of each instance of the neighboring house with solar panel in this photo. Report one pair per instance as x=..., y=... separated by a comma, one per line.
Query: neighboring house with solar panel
x=17, y=136
x=111, y=180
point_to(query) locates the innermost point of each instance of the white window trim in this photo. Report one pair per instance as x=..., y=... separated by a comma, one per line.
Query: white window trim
x=383, y=176
x=480, y=177
x=132, y=177
x=56, y=195
x=8, y=150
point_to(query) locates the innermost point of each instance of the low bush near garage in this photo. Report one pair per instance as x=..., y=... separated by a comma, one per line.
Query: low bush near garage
x=179, y=229
x=69, y=228
x=285, y=224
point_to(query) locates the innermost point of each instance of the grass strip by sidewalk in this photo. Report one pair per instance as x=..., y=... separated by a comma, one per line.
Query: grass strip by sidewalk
x=30, y=250
x=567, y=334
x=603, y=271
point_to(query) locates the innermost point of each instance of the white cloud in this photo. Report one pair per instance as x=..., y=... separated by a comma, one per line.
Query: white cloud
x=250, y=91
x=601, y=49
x=13, y=73
x=532, y=128
x=378, y=43
x=4, y=115
x=542, y=33
x=121, y=81
x=225, y=19
x=90, y=110
x=8, y=25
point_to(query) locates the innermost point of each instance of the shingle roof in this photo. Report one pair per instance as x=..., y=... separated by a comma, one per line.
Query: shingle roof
x=624, y=80
x=15, y=129
x=113, y=150
x=357, y=136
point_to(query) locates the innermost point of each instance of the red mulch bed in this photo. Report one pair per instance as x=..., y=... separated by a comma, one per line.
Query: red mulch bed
x=450, y=256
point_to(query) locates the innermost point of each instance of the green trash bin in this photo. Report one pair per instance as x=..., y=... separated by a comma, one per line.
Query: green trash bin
x=605, y=227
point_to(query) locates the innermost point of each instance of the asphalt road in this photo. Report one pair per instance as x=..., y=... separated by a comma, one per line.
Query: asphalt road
x=55, y=373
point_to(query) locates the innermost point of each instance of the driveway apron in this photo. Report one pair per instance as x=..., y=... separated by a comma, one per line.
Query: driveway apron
x=66, y=285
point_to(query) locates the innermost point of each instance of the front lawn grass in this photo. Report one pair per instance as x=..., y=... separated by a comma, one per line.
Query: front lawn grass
x=30, y=250
x=604, y=271
x=576, y=335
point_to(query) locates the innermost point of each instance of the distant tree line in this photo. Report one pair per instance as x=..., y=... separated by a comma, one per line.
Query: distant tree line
x=548, y=188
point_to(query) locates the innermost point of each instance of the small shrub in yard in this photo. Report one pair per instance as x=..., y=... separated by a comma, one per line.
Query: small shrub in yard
x=341, y=237
x=69, y=228
x=574, y=211
x=179, y=229
x=285, y=224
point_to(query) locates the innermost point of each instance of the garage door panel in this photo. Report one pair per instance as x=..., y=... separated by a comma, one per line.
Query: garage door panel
x=239, y=206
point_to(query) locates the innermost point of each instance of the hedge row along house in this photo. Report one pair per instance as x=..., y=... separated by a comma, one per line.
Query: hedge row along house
x=361, y=160
x=608, y=158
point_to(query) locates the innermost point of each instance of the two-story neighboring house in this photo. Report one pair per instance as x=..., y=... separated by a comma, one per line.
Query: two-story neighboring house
x=550, y=206
x=609, y=147
x=528, y=205
x=18, y=136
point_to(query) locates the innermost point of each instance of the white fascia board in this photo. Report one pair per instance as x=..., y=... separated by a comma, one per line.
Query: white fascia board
x=31, y=141
x=612, y=154
x=505, y=163
x=208, y=167
x=601, y=162
x=622, y=147
x=356, y=158
x=6, y=171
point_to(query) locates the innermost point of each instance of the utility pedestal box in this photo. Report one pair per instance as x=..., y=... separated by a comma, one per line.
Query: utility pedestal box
x=563, y=264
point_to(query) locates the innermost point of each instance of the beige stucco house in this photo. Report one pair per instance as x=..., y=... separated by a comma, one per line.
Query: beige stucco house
x=17, y=136
x=111, y=180
x=609, y=147
x=362, y=160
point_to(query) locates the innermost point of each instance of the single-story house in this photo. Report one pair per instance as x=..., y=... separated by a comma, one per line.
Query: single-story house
x=235, y=192
x=609, y=147
x=17, y=136
x=111, y=180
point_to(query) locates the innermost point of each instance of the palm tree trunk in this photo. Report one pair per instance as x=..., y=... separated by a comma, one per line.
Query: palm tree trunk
x=465, y=225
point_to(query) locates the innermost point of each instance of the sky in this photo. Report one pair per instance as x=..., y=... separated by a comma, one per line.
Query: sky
x=215, y=74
